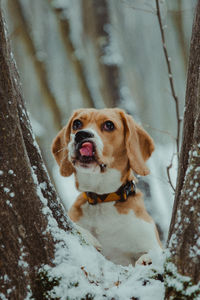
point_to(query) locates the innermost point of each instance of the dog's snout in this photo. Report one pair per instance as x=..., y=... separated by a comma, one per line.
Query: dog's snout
x=82, y=135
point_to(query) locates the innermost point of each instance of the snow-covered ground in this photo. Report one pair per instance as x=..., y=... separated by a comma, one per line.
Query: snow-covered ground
x=85, y=271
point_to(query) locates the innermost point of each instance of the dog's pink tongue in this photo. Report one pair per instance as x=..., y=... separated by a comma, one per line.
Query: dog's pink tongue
x=86, y=149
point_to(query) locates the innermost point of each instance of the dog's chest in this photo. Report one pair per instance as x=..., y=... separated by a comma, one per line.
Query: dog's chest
x=123, y=237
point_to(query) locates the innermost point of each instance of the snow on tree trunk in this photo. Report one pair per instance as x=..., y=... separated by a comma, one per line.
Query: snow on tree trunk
x=183, y=259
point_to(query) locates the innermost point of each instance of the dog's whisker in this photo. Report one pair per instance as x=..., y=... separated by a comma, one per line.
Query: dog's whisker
x=62, y=149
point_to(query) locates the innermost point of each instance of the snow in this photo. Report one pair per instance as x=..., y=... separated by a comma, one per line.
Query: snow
x=11, y=172
x=3, y=297
x=8, y=203
x=111, y=50
x=179, y=282
x=85, y=271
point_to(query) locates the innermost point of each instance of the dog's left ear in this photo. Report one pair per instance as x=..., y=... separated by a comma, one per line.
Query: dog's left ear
x=139, y=145
x=60, y=150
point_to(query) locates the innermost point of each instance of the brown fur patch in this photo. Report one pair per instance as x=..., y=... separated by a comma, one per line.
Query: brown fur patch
x=76, y=212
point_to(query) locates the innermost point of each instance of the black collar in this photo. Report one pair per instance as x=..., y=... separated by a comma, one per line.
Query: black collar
x=120, y=195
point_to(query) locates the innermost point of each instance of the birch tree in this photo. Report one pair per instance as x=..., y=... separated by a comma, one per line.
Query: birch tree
x=182, y=265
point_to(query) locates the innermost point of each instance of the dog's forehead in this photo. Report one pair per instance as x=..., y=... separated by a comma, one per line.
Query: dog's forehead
x=94, y=115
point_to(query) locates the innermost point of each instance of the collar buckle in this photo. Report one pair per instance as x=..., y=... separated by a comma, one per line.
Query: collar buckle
x=126, y=190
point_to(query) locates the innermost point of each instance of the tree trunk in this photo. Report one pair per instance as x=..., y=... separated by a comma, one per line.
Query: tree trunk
x=183, y=260
x=27, y=197
x=98, y=28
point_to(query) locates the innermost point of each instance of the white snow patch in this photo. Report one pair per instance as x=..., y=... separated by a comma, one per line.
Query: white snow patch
x=10, y=172
x=8, y=203
x=6, y=190
x=111, y=51
x=3, y=297
x=84, y=270
x=21, y=262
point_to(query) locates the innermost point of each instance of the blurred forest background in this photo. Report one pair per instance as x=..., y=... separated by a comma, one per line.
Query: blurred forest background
x=97, y=53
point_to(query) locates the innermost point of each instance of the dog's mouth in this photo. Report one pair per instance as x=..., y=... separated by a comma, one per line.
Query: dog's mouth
x=86, y=155
x=86, y=152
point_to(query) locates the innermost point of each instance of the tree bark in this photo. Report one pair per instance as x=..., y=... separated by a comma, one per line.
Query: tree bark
x=97, y=27
x=25, y=191
x=183, y=260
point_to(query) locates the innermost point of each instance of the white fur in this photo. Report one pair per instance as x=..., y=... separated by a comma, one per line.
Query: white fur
x=71, y=146
x=99, y=183
x=123, y=237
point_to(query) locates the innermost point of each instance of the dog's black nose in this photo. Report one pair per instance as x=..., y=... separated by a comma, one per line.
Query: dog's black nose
x=82, y=135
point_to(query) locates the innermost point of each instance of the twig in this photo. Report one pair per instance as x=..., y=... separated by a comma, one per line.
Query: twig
x=169, y=176
x=159, y=130
x=171, y=81
x=151, y=10
x=38, y=64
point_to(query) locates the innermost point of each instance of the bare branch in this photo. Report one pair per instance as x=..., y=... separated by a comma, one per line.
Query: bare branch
x=150, y=10
x=17, y=12
x=169, y=176
x=160, y=131
x=171, y=80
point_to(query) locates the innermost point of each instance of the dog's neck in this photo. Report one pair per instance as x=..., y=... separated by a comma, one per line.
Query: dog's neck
x=102, y=183
x=99, y=183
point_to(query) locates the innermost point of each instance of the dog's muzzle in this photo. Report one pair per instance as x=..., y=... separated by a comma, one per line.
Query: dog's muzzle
x=82, y=135
x=84, y=146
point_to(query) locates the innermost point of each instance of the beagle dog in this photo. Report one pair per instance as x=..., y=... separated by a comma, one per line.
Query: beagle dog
x=104, y=148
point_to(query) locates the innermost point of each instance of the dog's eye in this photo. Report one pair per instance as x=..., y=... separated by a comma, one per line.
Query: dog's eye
x=77, y=124
x=108, y=126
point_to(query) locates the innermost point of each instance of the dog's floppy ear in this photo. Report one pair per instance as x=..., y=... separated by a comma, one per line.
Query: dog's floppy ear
x=139, y=145
x=60, y=150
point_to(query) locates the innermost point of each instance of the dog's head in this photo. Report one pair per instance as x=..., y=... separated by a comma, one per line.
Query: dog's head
x=97, y=140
